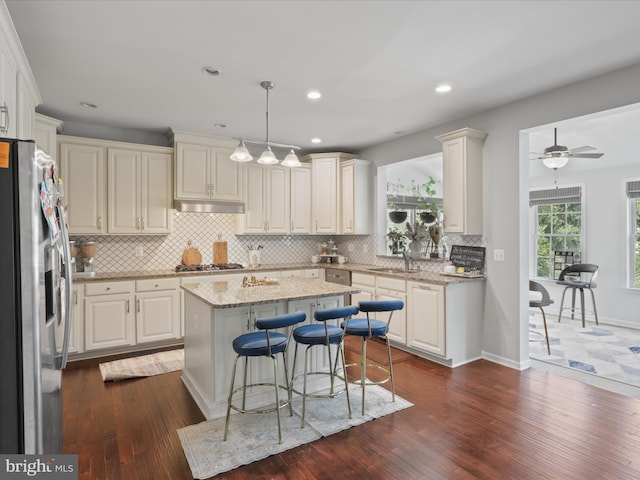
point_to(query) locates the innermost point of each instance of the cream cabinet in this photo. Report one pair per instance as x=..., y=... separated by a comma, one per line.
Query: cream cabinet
x=8, y=93
x=355, y=205
x=109, y=315
x=427, y=329
x=157, y=309
x=46, y=132
x=300, y=194
x=462, y=181
x=378, y=287
x=83, y=170
x=203, y=169
x=139, y=191
x=266, y=200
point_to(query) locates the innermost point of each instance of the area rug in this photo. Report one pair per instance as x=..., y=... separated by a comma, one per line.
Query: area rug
x=254, y=437
x=143, y=366
x=603, y=350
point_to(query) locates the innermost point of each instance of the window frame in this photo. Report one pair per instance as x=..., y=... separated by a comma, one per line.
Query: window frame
x=533, y=229
x=633, y=235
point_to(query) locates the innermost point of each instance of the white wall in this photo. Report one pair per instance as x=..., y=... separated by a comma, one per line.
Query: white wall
x=605, y=229
x=505, y=192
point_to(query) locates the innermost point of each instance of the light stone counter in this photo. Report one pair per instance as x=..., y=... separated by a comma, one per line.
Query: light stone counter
x=232, y=294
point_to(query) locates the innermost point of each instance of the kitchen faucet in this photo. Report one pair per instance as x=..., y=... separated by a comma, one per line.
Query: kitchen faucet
x=407, y=260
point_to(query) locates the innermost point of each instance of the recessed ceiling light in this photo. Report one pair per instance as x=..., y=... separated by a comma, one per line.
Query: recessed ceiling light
x=219, y=125
x=88, y=105
x=316, y=140
x=211, y=71
x=314, y=95
x=444, y=88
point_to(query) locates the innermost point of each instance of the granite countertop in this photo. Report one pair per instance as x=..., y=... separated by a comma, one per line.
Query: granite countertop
x=421, y=276
x=232, y=294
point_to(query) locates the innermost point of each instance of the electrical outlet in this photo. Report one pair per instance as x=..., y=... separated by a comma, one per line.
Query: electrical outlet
x=498, y=255
x=139, y=251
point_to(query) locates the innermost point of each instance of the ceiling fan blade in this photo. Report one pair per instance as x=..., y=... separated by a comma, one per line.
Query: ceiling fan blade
x=537, y=158
x=585, y=148
x=588, y=155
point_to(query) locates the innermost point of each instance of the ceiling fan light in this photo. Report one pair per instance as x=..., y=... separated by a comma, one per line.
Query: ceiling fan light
x=267, y=157
x=291, y=160
x=241, y=154
x=555, y=162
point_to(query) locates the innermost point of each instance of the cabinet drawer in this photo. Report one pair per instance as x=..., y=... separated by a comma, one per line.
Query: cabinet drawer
x=154, y=284
x=392, y=284
x=107, y=288
x=363, y=279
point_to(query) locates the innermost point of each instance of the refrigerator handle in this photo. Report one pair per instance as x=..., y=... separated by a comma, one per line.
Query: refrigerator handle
x=61, y=360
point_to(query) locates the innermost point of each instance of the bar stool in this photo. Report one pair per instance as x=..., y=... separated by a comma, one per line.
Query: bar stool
x=264, y=343
x=588, y=270
x=325, y=335
x=367, y=328
x=538, y=298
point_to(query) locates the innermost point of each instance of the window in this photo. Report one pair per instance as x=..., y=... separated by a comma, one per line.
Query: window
x=633, y=194
x=558, y=227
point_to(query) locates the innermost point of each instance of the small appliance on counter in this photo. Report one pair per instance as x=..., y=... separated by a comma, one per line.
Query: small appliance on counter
x=207, y=267
x=88, y=252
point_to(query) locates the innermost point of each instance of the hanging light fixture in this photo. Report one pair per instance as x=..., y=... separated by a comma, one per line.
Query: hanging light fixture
x=241, y=154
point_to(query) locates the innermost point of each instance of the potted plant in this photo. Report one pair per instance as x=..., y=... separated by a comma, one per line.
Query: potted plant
x=396, y=214
x=397, y=240
x=426, y=205
x=417, y=233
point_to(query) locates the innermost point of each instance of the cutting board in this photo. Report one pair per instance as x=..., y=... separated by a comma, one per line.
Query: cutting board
x=220, y=253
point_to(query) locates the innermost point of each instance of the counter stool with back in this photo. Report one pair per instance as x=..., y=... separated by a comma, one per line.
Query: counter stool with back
x=369, y=327
x=580, y=276
x=264, y=343
x=323, y=334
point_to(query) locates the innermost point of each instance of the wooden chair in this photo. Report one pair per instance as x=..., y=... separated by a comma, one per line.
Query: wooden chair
x=539, y=301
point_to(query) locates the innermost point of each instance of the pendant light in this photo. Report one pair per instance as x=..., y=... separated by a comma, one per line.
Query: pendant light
x=241, y=154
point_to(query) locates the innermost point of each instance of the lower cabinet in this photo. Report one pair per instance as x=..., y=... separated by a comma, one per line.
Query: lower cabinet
x=108, y=315
x=157, y=309
x=426, y=329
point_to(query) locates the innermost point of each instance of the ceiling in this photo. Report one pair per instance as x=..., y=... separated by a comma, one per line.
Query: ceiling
x=375, y=62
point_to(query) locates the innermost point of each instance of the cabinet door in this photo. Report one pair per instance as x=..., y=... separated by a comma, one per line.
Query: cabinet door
x=108, y=321
x=426, y=323
x=277, y=199
x=453, y=174
x=325, y=195
x=83, y=172
x=8, y=92
x=347, y=204
x=300, y=208
x=366, y=293
x=229, y=324
x=123, y=172
x=155, y=192
x=398, y=325
x=254, y=185
x=157, y=316
x=225, y=175
x=193, y=171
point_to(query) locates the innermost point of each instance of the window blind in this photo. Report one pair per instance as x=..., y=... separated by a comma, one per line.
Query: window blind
x=633, y=189
x=555, y=195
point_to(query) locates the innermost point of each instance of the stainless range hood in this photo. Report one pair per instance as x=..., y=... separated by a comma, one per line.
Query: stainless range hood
x=208, y=206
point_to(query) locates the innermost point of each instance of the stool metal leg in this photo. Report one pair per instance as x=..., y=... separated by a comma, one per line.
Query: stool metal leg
x=346, y=380
x=276, y=387
x=562, y=304
x=363, y=368
x=593, y=300
x=233, y=378
x=582, y=305
x=393, y=385
x=573, y=303
x=244, y=383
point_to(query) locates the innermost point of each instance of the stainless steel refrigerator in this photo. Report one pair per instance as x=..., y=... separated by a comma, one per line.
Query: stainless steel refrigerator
x=35, y=300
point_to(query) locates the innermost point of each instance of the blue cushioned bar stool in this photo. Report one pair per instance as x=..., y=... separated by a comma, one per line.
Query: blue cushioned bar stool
x=265, y=343
x=370, y=327
x=324, y=335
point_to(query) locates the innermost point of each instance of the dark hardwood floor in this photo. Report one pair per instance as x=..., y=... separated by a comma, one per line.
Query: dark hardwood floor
x=479, y=421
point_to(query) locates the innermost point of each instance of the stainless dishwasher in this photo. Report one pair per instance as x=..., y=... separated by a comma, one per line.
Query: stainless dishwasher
x=342, y=277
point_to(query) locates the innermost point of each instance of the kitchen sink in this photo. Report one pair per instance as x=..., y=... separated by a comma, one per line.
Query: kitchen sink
x=392, y=270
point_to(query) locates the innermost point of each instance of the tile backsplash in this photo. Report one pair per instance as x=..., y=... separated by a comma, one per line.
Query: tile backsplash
x=117, y=253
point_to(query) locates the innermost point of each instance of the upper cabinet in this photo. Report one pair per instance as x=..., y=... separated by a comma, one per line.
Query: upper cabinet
x=18, y=91
x=340, y=184
x=266, y=199
x=203, y=169
x=139, y=191
x=300, y=205
x=115, y=187
x=46, y=131
x=462, y=179
x=355, y=201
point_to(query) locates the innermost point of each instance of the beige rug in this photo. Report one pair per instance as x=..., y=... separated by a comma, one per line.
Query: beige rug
x=143, y=366
x=254, y=437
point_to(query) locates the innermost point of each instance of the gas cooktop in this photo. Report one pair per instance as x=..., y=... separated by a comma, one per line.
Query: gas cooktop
x=208, y=267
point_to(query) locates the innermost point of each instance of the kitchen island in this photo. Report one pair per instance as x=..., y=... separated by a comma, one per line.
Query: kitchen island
x=217, y=312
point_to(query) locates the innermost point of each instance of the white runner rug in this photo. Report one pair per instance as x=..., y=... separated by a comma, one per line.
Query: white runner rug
x=143, y=366
x=254, y=437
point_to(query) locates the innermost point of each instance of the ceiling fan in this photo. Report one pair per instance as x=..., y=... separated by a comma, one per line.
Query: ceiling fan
x=556, y=156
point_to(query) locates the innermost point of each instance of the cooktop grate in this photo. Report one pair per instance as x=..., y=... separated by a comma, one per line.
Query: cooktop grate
x=208, y=267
